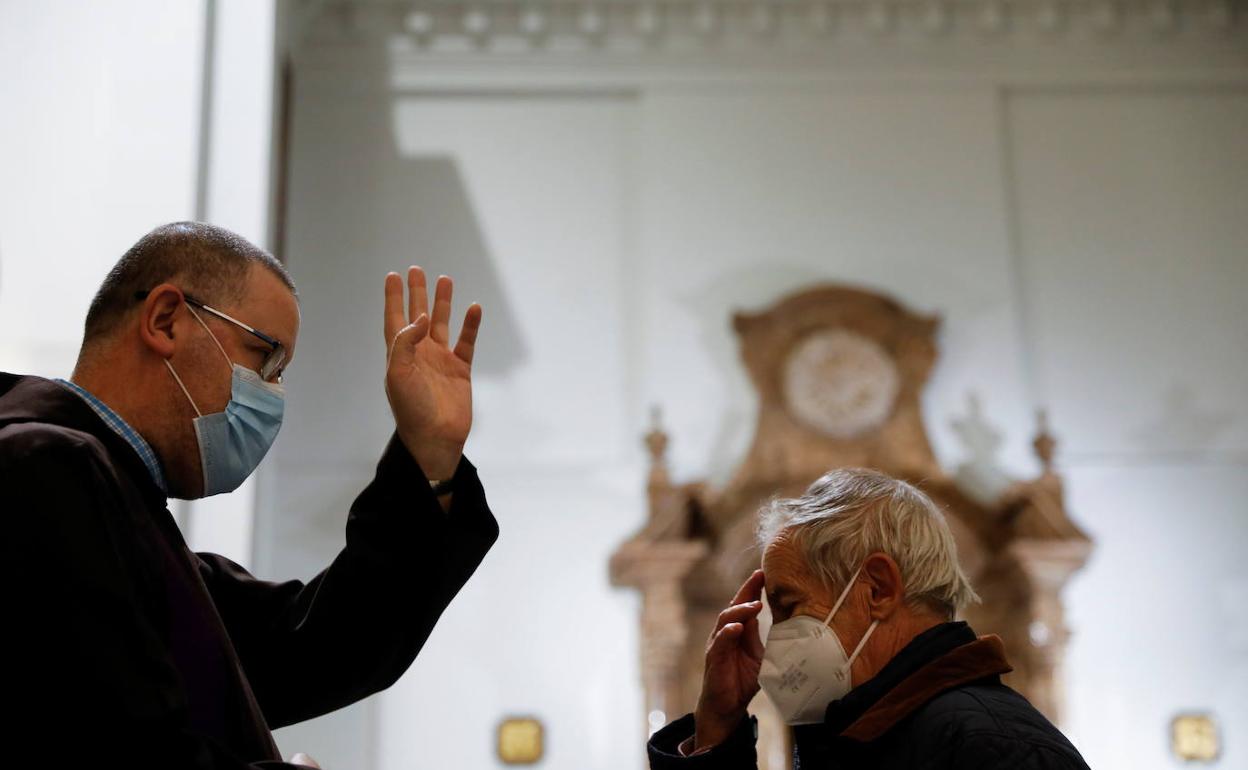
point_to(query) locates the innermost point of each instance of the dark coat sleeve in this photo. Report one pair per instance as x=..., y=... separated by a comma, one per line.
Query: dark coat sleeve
x=353, y=630
x=737, y=752
x=89, y=681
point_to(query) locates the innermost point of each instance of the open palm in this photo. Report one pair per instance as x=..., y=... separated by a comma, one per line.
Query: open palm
x=429, y=384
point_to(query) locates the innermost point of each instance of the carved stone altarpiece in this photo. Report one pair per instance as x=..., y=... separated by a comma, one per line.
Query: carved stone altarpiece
x=839, y=373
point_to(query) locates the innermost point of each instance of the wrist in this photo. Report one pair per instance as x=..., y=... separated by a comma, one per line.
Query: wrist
x=438, y=461
x=441, y=487
x=712, y=730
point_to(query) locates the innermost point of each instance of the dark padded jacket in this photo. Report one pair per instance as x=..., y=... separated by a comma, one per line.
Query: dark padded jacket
x=938, y=704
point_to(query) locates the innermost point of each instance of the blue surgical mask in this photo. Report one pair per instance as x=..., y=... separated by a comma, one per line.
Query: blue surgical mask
x=232, y=443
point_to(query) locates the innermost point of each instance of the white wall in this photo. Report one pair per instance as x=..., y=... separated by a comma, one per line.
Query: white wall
x=97, y=146
x=100, y=143
x=235, y=189
x=553, y=292
x=1133, y=214
x=1077, y=219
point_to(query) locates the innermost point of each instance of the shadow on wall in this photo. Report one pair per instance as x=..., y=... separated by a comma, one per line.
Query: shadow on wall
x=428, y=216
x=359, y=207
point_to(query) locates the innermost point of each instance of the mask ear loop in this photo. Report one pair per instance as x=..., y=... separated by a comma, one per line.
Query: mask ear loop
x=843, y=597
x=185, y=392
x=870, y=629
x=863, y=643
x=215, y=341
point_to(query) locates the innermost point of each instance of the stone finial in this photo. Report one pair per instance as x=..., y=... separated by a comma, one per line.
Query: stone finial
x=981, y=476
x=1044, y=444
x=656, y=442
x=978, y=435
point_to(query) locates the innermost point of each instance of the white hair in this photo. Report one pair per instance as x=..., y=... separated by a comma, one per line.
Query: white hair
x=851, y=513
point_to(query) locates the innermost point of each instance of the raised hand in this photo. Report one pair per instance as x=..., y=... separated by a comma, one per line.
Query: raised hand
x=428, y=384
x=734, y=654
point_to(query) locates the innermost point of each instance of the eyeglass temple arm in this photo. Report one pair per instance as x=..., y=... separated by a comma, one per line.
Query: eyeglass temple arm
x=191, y=300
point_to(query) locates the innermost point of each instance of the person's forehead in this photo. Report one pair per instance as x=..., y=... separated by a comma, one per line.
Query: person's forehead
x=783, y=566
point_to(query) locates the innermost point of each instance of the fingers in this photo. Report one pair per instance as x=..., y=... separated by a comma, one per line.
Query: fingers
x=751, y=590
x=751, y=593
x=752, y=639
x=468, y=334
x=394, y=317
x=440, y=331
x=417, y=294
x=723, y=643
x=737, y=614
x=409, y=337
x=743, y=614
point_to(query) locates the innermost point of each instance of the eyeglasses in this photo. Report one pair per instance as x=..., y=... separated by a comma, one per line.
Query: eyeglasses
x=273, y=360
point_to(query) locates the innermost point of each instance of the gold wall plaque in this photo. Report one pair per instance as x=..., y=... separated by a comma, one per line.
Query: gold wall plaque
x=520, y=741
x=1194, y=738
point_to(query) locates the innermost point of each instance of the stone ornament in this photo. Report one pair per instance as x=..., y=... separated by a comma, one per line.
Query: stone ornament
x=840, y=383
x=839, y=373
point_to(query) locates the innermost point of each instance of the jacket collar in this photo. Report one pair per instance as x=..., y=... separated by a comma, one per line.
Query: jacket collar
x=970, y=662
x=27, y=399
x=943, y=657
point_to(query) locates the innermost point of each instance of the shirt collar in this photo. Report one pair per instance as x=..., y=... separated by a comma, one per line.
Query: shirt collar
x=123, y=429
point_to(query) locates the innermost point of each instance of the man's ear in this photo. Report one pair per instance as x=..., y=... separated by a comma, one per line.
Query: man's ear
x=157, y=317
x=883, y=578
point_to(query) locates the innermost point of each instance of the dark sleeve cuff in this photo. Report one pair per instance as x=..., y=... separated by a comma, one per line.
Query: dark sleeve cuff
x=735, y=753
x=398, y=471
x=397, y=464
x=398, y=518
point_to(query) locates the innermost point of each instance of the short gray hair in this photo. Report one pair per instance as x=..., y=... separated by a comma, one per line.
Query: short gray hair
x=207, y=261
x=851, y=513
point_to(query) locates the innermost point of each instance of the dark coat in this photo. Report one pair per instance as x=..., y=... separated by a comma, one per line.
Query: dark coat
x=129, y=650
x=937, y=704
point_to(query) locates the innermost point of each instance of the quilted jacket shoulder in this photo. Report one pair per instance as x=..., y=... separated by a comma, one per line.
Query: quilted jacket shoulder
x=983, y=725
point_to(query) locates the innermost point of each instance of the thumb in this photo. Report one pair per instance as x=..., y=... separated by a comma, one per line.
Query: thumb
x=409, y=337
x=304, y=759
